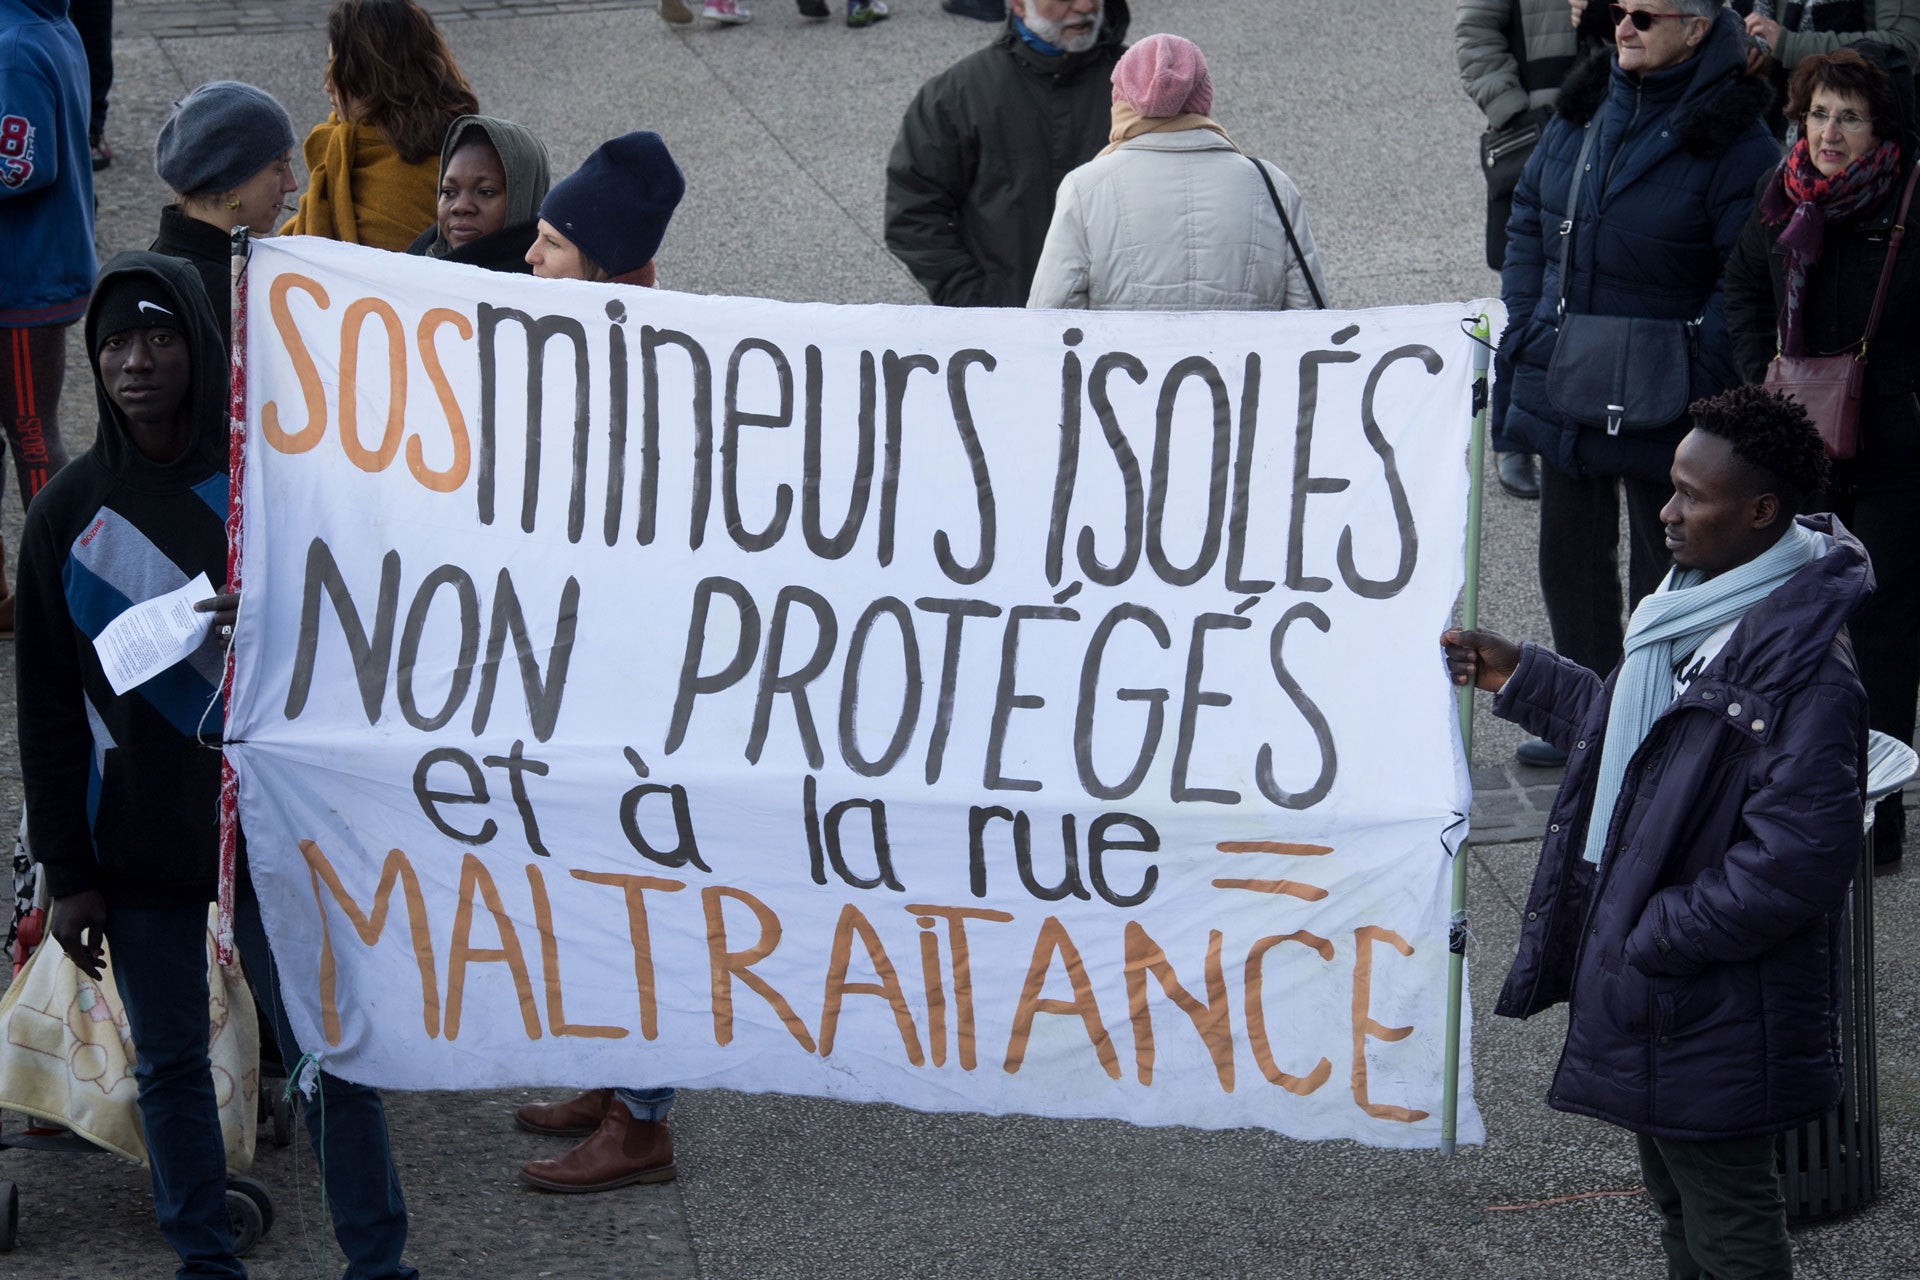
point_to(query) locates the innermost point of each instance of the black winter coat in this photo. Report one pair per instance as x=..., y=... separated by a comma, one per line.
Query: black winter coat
x=206, y=249
x=1701, y=959
x=1671, y=185
x=1834, y=312
x=503, y=250
x=980, y=153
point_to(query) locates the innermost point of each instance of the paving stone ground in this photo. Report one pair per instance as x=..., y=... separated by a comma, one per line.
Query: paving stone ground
x=189, y=19
x=783, y=128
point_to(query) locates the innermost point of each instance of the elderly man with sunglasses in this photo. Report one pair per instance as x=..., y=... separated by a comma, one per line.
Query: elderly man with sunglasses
x=1668, y=138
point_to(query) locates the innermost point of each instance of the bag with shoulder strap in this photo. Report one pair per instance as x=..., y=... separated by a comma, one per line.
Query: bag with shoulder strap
x=1286, y=224
x=1503, y=158
x=1627, y=374
x=1829, y=387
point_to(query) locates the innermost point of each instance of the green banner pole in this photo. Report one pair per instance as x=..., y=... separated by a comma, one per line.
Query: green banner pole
x=1469, y=618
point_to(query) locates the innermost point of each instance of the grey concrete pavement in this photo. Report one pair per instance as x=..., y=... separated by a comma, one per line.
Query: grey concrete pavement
x=783, y=128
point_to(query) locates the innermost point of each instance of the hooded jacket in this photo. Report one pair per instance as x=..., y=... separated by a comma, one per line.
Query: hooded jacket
x=122, y=789
x=1701, y=959
x=980, y=152
x=1672, y=180
x=523, y=158
x=1839, y=298
x=46, y=175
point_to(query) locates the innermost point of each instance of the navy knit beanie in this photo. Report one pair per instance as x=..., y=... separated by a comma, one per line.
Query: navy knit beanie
x=615, y=207
x=220, y=135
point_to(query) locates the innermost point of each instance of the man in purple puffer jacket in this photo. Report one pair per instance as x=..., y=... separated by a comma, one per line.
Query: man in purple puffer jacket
x=1696, y=859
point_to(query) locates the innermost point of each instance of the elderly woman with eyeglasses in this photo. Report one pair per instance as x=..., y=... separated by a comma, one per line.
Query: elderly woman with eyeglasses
x=1802, y=282
x=1668, y=137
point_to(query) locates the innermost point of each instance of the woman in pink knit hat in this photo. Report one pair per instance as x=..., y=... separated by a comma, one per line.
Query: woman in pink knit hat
x=1172, y=216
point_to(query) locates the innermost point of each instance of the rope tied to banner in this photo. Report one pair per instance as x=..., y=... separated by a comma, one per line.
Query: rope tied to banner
x=303, y=1081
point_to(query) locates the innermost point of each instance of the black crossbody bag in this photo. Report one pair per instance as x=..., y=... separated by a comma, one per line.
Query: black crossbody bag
x=1627, y=374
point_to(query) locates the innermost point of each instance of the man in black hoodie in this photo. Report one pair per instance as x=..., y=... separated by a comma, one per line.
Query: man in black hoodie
x=985, y=143
x=123, y=789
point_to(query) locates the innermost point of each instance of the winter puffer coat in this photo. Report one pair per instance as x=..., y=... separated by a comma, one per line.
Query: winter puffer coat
x=1175, y=222
x=1671, y=184
x=981, y=151
x=1701, y=959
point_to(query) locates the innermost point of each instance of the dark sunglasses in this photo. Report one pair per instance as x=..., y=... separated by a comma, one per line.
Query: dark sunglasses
x=1641, y=19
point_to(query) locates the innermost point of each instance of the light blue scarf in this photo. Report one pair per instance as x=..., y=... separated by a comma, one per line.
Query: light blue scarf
x=1675, y=619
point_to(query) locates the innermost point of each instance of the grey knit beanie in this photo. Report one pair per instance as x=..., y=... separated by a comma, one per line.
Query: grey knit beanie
x=220, y=135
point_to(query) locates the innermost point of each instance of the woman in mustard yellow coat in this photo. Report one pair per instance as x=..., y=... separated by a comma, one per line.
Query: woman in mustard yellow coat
x=374, y=165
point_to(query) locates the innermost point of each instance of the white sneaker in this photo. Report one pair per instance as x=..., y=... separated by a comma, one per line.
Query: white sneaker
x=676, y=12
x=730, y=12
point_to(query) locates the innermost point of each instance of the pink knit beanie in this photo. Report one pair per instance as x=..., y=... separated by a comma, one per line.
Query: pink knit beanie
x=1164, y=76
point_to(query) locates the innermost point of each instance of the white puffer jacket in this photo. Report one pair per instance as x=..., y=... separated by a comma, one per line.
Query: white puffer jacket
x=1174, y=222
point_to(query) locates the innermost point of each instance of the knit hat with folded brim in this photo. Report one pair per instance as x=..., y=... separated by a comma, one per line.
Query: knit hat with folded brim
x=220, y=135
x=1164, y=76
x=615, y=207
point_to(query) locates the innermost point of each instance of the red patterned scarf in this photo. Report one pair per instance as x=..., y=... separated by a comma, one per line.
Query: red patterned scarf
x=1806, y=200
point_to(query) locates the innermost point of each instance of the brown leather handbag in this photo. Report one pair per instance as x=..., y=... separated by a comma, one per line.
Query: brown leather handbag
x=1828, y=387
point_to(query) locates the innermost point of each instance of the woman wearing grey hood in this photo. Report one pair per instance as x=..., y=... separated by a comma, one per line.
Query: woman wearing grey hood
x=493, y=176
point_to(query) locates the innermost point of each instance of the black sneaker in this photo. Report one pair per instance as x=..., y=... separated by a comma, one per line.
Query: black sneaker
x=814, y=10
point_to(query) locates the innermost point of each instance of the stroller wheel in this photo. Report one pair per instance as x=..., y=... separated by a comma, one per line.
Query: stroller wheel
x=249, y=1224
x=256, y=1191
x=9, y=1216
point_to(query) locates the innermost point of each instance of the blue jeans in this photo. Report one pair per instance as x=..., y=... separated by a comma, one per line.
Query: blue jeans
x=159, y=956
x=348, y=1127
x=646, y=1104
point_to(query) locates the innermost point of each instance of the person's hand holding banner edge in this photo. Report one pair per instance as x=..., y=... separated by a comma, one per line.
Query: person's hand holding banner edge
x=1480, y=658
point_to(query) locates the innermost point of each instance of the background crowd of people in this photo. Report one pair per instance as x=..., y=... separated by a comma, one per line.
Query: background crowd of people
x=1634, y=157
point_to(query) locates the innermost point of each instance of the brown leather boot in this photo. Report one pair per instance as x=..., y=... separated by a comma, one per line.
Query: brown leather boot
x=621, y=1151
x=577, y=1117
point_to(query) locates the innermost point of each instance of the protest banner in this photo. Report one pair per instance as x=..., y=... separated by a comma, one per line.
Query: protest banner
x=974, y=710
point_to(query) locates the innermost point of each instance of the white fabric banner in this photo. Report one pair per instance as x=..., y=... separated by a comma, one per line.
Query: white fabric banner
x=973, y=710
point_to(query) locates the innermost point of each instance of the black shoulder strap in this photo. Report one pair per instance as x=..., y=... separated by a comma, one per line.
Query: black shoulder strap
x=1573, y=204
x=1286, y=224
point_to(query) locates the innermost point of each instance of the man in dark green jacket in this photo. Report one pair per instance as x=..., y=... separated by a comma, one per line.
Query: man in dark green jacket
x=986, y=142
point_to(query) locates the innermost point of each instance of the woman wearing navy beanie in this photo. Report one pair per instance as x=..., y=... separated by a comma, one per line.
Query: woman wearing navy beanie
x=605, y=220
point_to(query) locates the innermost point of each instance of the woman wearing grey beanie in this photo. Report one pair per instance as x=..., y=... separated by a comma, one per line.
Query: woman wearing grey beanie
x=227, y=154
